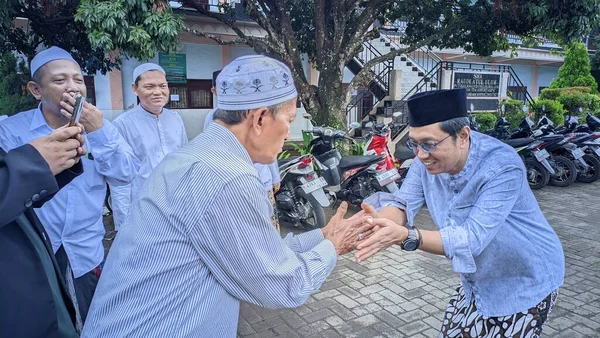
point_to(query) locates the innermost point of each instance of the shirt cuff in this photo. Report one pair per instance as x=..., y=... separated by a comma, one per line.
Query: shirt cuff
x=308, y=240
x=101, y=136
x=326, y=251
x=456, y=248
x=381, y=200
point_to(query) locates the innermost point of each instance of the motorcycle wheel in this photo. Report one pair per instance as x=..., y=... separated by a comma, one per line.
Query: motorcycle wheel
x=316, y=210
x=593, y=174
x=537, y=176
x=566, y=172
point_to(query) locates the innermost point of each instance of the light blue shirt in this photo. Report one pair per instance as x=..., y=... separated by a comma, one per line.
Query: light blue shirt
x=268, y=173
x=197, y=242
x=151, y=137
x=493, y=231
x=73, y=218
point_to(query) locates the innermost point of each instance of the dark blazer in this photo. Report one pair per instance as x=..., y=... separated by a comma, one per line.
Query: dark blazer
x=27, y=306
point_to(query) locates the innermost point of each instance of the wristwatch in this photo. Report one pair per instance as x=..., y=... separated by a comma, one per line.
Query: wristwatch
x=412, y=242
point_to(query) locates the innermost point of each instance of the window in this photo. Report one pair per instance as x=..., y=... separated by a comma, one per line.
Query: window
x=517, y=92
x=195, y=94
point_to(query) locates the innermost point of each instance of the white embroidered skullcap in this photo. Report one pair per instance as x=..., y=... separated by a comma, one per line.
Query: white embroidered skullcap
x=254, y=81
x=51, y=54
x=146, y=67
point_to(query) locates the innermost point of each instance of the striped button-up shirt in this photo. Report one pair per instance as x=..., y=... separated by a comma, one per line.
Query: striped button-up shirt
x=197, y=241
x=73, y=218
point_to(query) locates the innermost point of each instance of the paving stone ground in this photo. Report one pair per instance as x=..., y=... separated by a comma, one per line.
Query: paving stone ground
x=402, y=294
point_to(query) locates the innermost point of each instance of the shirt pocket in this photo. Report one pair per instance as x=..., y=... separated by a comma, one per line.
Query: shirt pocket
x=94, y=180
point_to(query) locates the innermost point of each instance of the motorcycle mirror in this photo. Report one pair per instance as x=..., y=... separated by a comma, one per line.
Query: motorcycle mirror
x=369, y=125
x=472, y=108
x=502, y=108
x=524, y=108
x=354, y=125
x=396, y=114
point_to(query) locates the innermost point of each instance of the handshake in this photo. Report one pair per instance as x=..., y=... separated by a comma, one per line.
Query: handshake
x=364, y=231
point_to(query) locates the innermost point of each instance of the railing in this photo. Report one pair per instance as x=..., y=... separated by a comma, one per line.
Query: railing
x=422, y=57
x=433, y=76
x=515, y=86
x=362, y=104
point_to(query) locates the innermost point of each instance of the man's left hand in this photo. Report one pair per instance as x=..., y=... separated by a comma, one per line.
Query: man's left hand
x=276, y=187
x=385, y=233
x=91, y=117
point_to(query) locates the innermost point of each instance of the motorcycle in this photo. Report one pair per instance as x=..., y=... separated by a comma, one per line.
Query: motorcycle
x=301, y=199
x=349, y=178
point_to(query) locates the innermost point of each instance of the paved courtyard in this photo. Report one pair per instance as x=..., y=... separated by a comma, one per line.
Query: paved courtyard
x=400, y=294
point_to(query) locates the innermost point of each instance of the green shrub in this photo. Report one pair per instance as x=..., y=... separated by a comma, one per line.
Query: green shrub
x=554, y=93
x=576, y=70
x=513, y=111
x=572, y=102
x=553, y=109
x=13, y=95
x=487, y=120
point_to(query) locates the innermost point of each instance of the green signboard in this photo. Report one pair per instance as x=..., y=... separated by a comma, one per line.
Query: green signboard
x=175, y=67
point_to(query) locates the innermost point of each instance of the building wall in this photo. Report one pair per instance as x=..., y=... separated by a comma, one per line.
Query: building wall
x=546, y=75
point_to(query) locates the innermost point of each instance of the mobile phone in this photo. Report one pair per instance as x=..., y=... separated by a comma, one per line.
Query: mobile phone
x=77, y=108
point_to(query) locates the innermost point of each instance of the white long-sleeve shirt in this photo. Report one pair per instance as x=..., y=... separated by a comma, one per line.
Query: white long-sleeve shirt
x=151, y=137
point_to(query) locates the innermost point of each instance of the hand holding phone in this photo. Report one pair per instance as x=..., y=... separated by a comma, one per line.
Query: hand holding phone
x=77, y=109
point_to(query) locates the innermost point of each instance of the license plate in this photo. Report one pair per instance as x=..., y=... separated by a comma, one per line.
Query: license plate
x=578, y=153
x=387, y=177
x=313, y=185
x=541, y=155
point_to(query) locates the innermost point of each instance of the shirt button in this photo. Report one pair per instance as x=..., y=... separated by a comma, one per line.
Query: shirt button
x=43, y=193
x=36, y=197
x=456, y=191
x=28, y=203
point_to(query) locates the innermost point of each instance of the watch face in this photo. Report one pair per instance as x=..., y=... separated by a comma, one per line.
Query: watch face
x=410, y=245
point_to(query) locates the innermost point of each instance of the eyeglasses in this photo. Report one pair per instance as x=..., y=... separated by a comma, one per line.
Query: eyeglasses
x=427, y=147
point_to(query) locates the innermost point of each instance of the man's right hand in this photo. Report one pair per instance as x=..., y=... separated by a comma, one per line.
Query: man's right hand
x=344, y=233
x=61, y=149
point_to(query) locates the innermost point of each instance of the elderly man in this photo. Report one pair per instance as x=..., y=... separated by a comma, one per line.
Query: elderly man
x=35, y=300
x=268, y=173
x=151, y=130
x=73, y=218
x=199, y=240
x=490, y=226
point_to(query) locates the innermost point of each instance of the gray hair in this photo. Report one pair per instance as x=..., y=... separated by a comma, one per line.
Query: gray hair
x=454, y=126
x=233, y=117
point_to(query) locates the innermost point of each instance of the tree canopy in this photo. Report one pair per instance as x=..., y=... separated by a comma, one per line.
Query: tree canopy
x=575, y=71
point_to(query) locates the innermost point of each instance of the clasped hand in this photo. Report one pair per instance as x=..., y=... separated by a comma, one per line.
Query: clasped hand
x=365, y=232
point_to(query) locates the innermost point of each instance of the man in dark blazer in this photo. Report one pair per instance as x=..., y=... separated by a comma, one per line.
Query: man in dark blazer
x=34, y=297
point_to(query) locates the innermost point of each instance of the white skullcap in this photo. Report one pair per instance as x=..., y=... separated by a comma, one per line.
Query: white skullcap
x=146, y=67
x=51, y=54
x=254, y=81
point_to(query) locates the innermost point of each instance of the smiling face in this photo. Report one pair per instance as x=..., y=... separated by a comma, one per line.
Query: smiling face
x=449, y=156
x=153, y=91
x=52, y=80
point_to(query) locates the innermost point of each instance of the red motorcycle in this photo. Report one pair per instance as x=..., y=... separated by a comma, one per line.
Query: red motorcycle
x=377, y=144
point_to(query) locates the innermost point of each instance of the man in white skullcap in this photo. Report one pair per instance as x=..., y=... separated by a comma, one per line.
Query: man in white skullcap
x=198, y=240
x=73, y=218
x=268, y=173
x=151, y=130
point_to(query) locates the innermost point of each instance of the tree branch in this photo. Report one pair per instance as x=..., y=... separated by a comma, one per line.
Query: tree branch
x=216, y=38
x=319, y=30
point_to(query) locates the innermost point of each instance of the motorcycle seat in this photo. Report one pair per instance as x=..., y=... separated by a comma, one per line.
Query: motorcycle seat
x=403, y=153
x=552, y=137
x=519, y=142
x=356, y=161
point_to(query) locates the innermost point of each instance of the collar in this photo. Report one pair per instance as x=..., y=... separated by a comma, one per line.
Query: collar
x=38, y=120
x=226, y=139
x=146, y=113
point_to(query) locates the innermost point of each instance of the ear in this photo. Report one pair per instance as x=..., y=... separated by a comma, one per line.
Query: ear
x=34, y=89
x=213, y=90
x=135, y=89
x=257, y=116
x=464, y=136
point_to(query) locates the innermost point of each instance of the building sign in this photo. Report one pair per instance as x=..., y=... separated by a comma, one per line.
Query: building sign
x=175, y=67
x=478, y=84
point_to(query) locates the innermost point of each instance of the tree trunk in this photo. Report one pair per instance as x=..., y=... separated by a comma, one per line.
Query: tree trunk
x=331, y=98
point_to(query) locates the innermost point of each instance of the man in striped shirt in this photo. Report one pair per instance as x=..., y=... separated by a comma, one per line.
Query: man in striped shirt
x=199, y=240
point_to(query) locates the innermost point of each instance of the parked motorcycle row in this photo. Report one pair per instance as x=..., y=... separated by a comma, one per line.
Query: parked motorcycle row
x=324, y=177
x=559, y=156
